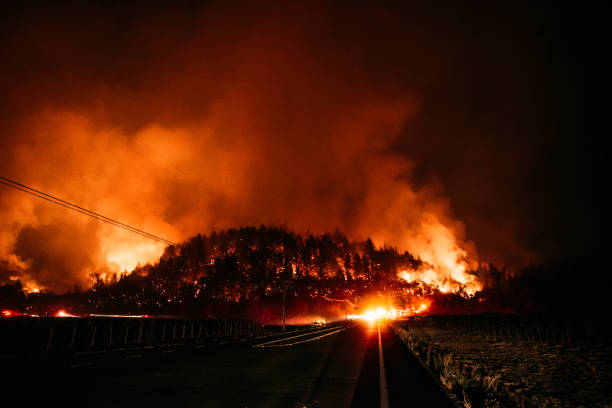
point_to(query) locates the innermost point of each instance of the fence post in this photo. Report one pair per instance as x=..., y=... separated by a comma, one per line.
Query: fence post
x=73, y=339
x=50, y=341
x=140, y=333
x=93, y=337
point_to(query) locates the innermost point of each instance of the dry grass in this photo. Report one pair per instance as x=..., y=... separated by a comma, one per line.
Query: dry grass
x=486, y=366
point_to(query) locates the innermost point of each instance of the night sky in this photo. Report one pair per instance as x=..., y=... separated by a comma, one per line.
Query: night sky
x=464, y=128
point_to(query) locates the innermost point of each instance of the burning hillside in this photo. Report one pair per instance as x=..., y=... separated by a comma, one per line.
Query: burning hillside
x=239, y=266
x=254, y=263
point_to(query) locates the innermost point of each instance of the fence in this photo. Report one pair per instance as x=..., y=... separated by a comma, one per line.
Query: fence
x=76, y=334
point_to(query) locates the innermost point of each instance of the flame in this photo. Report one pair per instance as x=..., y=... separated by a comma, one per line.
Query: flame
x=63, y=313
x=377, y=313
x=443, y=279
x=423, y=307
x=447, y=262
x=125, y=255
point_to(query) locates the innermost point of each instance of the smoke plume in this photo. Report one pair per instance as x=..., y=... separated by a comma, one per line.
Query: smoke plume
x=185, y=119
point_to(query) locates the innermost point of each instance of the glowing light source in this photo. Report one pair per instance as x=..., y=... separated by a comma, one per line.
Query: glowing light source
x=421, y=308
x=391, y=313
x=380, y=313
x=62, y=313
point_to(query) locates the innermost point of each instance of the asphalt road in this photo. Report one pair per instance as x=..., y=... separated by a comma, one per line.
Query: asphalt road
x=327, y=367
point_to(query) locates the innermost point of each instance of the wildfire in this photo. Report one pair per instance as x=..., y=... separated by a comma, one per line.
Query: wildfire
x=388, y=313
x=8, y=313
x=63, y=313
x=445, y=280
x=125, y=252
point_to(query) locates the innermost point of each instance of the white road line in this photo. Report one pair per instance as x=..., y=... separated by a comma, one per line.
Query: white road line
x=294, y=337
x=76, y=365
x=281, y=333
x=303, y=341
x=384, y=393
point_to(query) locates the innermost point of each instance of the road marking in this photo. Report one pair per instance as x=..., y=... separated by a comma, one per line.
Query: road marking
x=85, y=364
x=384, y=393
x=309, y=329
x=294, y=337
x=302, y=341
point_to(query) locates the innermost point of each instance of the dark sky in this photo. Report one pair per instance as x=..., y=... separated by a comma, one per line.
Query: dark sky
x=482, y=119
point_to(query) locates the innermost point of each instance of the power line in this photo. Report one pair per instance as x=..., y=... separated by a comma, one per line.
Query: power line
x=77, y=208
x=55, y=200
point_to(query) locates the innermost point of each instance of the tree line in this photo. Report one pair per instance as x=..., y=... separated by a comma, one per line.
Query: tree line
x=250, y=264
x=230, y=271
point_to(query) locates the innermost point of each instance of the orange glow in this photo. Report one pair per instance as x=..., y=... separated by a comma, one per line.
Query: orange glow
x=63, y=313
x=8, y=313
x=445, y=278
x=421, y=308
x=177, y=170
x=123, y=253
x=377, y=313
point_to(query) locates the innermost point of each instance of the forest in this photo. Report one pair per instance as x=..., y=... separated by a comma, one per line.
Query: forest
x=246, y=272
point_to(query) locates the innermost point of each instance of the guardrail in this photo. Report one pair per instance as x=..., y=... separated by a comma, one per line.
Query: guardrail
x=89, y=334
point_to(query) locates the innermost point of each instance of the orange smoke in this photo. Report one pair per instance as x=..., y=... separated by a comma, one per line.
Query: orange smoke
x=254, y=125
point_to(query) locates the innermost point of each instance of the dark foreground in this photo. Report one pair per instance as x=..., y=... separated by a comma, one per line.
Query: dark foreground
x=341, y=369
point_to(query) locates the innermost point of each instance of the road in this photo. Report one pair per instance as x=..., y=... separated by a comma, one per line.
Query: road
x=328, y=367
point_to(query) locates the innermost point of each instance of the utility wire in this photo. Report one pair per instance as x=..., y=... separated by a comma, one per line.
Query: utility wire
x=81, y=209
x=90, y=214
x=55, y=200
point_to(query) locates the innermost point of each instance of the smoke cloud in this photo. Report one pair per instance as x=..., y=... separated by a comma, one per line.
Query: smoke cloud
x=183, y=119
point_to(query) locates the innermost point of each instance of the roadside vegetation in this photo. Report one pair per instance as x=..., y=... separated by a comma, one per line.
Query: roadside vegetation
x=516, y=360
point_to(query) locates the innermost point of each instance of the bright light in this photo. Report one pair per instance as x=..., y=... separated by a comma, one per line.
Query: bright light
x=117, y=315
x=370, y=315
x=62, y=313
x=421, y=308
x=380, y=313
x=7, y=313
x=391, y=313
